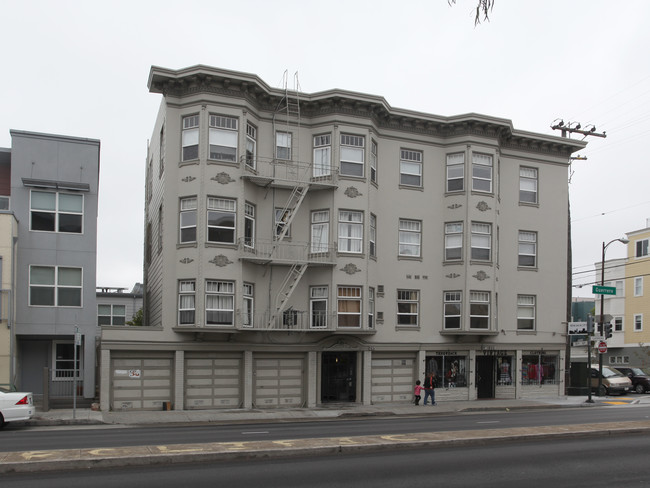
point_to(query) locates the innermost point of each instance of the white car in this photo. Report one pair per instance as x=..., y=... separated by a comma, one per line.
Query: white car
x=15, y=406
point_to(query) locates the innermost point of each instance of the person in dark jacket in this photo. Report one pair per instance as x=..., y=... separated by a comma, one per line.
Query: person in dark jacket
x=429, y=389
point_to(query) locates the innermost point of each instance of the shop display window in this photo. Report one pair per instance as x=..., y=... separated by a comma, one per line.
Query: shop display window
x=539, y=369
x=450, y=370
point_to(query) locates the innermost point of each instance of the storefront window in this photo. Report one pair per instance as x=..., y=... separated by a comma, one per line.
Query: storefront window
x=450, y=370
x=504, y=371
x=538, y=369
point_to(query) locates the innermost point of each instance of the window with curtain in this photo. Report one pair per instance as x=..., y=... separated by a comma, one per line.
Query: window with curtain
x=190, y=138
x=408, y=304
x=453, y=241
x=186, y=302
x=322, y=155
x=318, y=306
x=527, y=185
x=526, y=312
x=283, y=145
x=352, y=155
x=453, y=309
x=527, y=249
x=221, y=220
x=481, y=241
x=320, y=223
x=349, y=306
x=410, y=237
x=482, y=172
x=455, y=172
x=479, y=310
x=219, y=302
x=222, y=133
x=188, y=220
x=350, y=231
x=410, y=168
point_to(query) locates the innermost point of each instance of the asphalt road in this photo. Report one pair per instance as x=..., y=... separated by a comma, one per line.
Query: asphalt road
x=610, y=461
x=70, y=437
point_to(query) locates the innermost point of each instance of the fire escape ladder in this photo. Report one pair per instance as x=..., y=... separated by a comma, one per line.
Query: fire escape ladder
x=286, y=290
x=291, y=208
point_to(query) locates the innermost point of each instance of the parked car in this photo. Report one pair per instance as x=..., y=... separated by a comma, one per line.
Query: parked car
x=640, y=379
x=612, y=382
x=15, y=406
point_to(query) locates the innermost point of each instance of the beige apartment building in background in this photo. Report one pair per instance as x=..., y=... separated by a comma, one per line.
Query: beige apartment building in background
x=312, y=248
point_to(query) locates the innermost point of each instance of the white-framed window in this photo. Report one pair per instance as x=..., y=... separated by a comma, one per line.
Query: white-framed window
x=187, y=220
x=251, y=146
x=222, y=132
x=63, y=361
x=638, y=322
x=453, y=306
x=410, y=168
x=526, y=312
x=618, y=324
x=161, y=152
x=249, y=305
x=322, y=155
x=372, y=237
x=479, y=310
x=320, y=231
x=249, y=225
x=638, y=286
x=410, y=237
x=371, y=308
x=283, y=145
x=481, y=241
x=453, y=241
x=221, y=220
x=352, y=155
x=108, y=314
x=619, y=287
x=373, y=161
x=56, y=212
x=190, y=138
x=219, y=302
x=349, y=306
x=318, y=306
x=55, y=286
x=527, y=249
x=482, y=172
x=350, y=231
x=186, y=302
x=641, y=248
x=527, y=185
x=455, y=172
x=408, y=307
x=281, y=218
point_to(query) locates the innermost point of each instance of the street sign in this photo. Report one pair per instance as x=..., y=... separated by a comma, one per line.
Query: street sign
x=603, y=290
x=602, y=347
x=577, y=328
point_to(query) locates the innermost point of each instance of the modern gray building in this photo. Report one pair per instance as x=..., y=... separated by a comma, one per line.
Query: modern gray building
x=309, y=248
x=53, y=196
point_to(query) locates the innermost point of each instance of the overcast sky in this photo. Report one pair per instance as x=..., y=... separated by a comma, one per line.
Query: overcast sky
x=81, y=68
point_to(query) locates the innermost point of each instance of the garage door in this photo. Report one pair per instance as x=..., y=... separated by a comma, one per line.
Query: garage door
x=141, y=384
x=392, y=379
x=213, y=382
x=279, y=382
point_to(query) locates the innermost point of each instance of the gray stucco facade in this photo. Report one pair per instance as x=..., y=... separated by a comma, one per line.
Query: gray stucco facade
x=312, y=248
x=54, y=193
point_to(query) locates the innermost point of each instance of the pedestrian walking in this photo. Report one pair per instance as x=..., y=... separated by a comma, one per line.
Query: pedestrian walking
x=418, y=391
x=429, y=389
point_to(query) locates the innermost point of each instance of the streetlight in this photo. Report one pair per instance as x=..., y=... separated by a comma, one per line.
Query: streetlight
x=601, y=328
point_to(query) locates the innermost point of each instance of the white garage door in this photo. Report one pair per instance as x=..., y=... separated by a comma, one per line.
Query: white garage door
x=279, y=382
x=392, y=379
x=213, y=382
x=141, y=384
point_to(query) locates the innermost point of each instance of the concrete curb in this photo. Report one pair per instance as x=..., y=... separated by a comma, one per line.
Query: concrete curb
x=81, y=459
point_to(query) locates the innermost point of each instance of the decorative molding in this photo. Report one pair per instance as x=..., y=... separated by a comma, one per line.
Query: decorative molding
x=220, y=260
x=352, y=192
x=223, y=178
x=452, y=275
x=350, y=268
x=454, y=206
x=186, y=260
x=481, y=275
x=339, y=344
x=187, y=179
x=483, y=206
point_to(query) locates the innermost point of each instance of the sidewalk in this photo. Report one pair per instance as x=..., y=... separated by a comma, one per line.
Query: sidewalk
x=135, y=417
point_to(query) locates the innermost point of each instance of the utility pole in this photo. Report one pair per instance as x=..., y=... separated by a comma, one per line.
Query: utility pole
x=590, y=130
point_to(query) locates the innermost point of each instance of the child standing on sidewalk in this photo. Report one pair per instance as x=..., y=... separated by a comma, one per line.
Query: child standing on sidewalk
x=418, y=390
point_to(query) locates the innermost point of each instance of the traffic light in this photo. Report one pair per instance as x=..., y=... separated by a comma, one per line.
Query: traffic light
x=608, y=331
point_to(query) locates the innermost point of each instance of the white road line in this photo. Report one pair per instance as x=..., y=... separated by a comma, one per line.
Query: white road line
x=490, y=422
x=259, y=432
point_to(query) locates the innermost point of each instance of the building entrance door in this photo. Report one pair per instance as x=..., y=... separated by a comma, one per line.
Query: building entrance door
x=339, y=377
x=485, y=376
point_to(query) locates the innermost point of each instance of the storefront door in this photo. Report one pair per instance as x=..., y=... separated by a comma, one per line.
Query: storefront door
x=339, y=377
x=485, y=376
